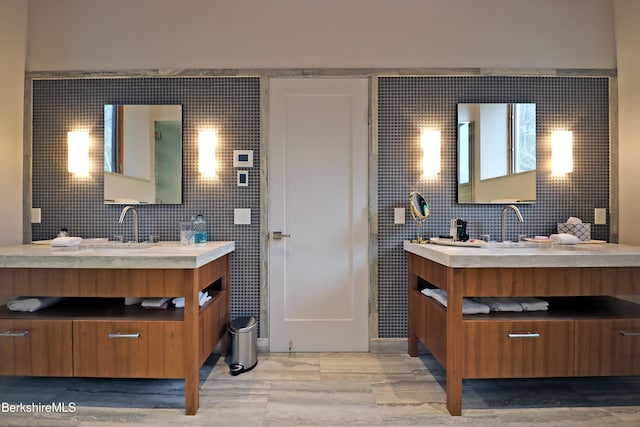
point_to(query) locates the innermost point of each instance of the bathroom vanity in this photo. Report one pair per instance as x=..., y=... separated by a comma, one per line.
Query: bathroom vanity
x=585, y=332
x=93, y=334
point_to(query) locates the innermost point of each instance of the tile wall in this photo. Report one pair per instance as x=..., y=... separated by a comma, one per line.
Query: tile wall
x=230, y=105
x=407, y=104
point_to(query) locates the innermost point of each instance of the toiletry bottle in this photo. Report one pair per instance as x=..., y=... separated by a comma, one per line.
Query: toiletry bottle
x=200, y=229
x=453, y=229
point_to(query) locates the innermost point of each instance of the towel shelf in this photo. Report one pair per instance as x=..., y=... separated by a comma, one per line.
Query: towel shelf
x=91, y=335
x=585, y=332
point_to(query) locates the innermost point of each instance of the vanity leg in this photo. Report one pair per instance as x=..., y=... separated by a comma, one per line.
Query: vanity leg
x=412, y=337
x=454, y=348
x=192, y=352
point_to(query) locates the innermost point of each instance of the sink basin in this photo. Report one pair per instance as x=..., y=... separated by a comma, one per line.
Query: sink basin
x=118, y=245
x=515, y=245
x=537, y=247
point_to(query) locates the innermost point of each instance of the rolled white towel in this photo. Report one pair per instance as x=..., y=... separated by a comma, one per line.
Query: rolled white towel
x=32, y=304
x=499, y=304
x=468, y=305
x=531, y=304
x=564, y=239
x=203, y=297
x=66, y=241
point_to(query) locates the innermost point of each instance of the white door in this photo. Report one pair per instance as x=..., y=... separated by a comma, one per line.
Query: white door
x=318, y=195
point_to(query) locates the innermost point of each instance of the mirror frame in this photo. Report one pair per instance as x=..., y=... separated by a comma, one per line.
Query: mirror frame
x=418, y=207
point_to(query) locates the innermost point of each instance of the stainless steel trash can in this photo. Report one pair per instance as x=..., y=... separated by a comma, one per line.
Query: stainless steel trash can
x=243, y=333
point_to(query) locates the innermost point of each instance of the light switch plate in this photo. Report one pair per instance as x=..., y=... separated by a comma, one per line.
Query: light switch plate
x=600, y=215
x=398, y=216
x=36, y=215
x=243, y=178
x=242, y=158
x=242, y=216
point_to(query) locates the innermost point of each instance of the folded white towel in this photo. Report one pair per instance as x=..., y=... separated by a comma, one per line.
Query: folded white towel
x=531, y=304
x=499, y=304
x=32, y=304
x=468, y=306
x=573, y=220
x=564, y=239
x=203, y=297
x=66, y=241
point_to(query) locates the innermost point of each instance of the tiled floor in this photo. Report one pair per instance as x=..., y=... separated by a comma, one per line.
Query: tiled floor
x=326, y=389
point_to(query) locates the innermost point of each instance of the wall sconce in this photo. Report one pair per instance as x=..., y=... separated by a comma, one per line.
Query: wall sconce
x=78, y=153
x=561, y=152
x=207, y=162
x=430, y=142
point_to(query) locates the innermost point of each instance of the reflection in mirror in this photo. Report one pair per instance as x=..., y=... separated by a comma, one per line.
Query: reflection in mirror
x=143, y=154
x=419, y=207
x=496, y=153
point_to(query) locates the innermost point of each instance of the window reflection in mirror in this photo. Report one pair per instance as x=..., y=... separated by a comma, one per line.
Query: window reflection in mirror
x=496, y=153
x=143, y=154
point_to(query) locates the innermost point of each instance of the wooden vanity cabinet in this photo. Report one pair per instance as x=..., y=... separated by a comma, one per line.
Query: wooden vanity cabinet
x=584, y=332
x=518, y=349
x=607, y=347
x=115, y=349
x=35, y=348
x=93, y=334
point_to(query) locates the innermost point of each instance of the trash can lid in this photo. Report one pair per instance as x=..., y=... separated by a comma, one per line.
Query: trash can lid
x=243, y=324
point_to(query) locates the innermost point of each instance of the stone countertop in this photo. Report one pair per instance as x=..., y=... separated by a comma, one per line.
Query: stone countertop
x=547, y=255
x=141, y=256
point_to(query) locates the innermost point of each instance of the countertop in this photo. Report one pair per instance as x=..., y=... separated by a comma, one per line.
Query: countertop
x=546, y=255
x=156, y=255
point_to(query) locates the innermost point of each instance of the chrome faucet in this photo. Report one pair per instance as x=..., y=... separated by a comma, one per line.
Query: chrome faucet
x=135, y=220
x=504, y=213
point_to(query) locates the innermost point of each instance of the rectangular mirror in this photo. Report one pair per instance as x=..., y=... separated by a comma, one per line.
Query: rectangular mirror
x=496, y=153
x=142, y=154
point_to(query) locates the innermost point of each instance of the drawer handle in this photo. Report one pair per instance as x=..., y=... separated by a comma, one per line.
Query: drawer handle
x=120, y=335
x=524, y=335
x=629, y=334
x=14, y=333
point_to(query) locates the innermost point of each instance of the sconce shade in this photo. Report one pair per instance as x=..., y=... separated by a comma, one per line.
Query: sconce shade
x=78, y=153
x=561, y=152
x=207, y=162
x=430, y=142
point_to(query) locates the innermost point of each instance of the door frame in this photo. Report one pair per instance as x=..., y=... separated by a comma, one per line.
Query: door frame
x=372, y=199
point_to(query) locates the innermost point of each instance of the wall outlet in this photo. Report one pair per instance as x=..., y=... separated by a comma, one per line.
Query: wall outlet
x=36, y=215
x=398, y=216
x=242, y=216
x=600, y=215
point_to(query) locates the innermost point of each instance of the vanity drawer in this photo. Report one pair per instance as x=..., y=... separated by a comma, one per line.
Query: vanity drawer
x=35, y=347
x=140, y=349
x=608, y=347
x=517, y=349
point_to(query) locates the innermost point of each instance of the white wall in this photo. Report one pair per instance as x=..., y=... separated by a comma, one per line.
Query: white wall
x=13, y=42
x=627, y=16
x=169, y=34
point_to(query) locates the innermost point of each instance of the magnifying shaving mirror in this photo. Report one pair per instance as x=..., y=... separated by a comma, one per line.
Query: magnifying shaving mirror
x=419, y=207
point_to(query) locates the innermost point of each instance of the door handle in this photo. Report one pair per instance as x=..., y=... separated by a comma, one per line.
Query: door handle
x=278, y=235
x=630, y=334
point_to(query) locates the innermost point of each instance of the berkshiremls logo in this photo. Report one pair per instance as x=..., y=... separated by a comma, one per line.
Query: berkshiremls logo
x=54, y=407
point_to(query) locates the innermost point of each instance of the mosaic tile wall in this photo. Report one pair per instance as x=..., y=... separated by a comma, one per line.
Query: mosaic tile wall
x=407, y=104
x=231, y=105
